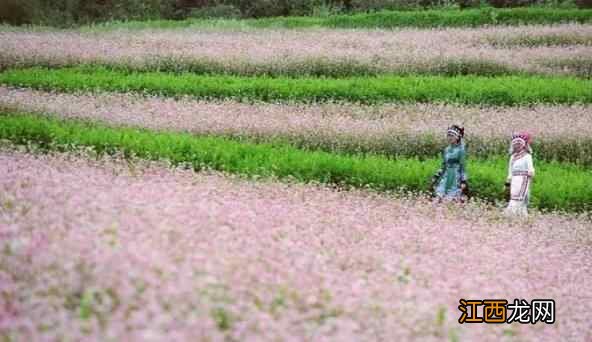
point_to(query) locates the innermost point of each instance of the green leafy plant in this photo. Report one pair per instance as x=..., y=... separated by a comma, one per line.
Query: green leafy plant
x=503, y=90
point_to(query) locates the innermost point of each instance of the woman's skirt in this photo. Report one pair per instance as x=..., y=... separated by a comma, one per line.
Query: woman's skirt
x=519, y=194
x=448, y=187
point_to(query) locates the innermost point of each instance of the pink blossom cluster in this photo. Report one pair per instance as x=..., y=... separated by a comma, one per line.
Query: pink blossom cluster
x=114, y=250
x=324, y=122
x=547, y=35
x=382, y=50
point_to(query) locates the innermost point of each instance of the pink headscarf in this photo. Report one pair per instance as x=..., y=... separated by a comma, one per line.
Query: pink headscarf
x=524, y=139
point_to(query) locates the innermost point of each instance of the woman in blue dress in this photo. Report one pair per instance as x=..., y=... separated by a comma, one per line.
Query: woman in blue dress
x=450, y=182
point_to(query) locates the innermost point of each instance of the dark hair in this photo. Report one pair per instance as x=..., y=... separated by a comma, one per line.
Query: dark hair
x=460, y=130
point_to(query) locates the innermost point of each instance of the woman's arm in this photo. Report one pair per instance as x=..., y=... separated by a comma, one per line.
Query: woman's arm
x=530, y=165
x=463, y=165
x=509, y=178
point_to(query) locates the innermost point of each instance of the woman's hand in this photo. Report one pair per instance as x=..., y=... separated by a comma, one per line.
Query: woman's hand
x=464, y=188
x=507, y=192
x=507, y=185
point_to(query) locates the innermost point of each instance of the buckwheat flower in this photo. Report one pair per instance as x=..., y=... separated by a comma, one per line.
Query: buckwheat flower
x=264, y=260
x=523, y=48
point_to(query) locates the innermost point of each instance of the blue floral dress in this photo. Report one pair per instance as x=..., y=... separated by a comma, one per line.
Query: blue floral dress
x=452, y=173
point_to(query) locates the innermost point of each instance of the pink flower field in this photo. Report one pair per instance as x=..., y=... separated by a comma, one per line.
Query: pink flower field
x=114, y=250
x=333, y=122
x=383, y=50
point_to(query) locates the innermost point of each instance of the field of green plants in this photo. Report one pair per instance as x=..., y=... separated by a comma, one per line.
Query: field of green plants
x=265, y=179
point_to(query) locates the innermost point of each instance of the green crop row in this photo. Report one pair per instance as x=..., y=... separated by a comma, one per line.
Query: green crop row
x=382, y=19
x=503, y=90
x=576, y=151
x=579, y=66
x=557, y=186
x=308, y=67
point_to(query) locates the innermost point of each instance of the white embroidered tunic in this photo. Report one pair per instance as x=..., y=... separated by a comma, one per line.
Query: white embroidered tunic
x=520, y=174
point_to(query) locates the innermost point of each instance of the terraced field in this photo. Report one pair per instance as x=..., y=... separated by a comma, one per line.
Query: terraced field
x=264, y=180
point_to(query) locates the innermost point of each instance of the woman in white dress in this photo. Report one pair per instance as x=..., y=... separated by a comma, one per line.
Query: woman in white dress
x=520, y=174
